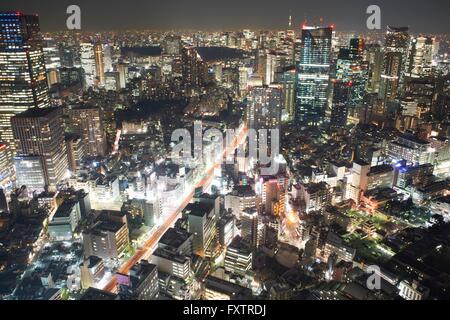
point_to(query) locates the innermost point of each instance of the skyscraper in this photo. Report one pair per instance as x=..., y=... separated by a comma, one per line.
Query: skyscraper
x=374, y=56
x=107, y=57
x=313, y=75
x=87, y=122
x=75, y=151
x=420, y=58
x=250, y=228
x=66, y=55
x=351, y=68
x=340, y=103
x=194, y=68
x=356, y=48
x=6, y=167
x=23, y=81
x=202, y=220
x=271, y=66
x=99, y=63
x=39, y=132
x=88, y=63
x=172, y=45
x=265, y=107
x=52, y=60
x=289, y=75
x=122, y=69
x=395, y=51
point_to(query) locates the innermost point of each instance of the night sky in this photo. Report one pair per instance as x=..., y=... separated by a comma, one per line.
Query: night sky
x=427, y=16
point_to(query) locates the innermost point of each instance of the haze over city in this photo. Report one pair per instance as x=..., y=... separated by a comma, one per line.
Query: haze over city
x=103, y=15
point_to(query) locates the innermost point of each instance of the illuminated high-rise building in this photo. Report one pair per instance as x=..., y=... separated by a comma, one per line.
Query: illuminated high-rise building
x=226, y=229
x=261, y=64
x=172, y=45
x=412, y=149
x=243, y=80
x=70, y=76
x=313, y=75
x=87, y=122
x=271, y=66
x=418, y=96
x=106, y=239
x=374, y=56
x=107, y=57
x=112, y=80
x=239, y=257
x=265, y=105
x=23, y=81
x=6, y=166
x=395, y=52
x=99, y=63
x=357, y=48
x=67, y=55
x=420, y=59
x=273, y=192
x=30, y=172
x=202, y=221
x=88, y=63
x=240, y=199
x=194, y=68
x=289, y=75
x=122, y=69
x=52, y=60
x=315, y=196
x=75, y=151
x=39, y=132
x=251, y=228
x=51, y=54
x=340, y=103
x=351, y=69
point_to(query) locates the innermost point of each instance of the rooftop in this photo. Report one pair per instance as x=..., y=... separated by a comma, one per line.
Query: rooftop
x=36, y=112
x=435, y=186
x=168, y=255
x=412, y=138
x=140, y=271
x=398, y=29
x=199, y=209
x=83, y=107
x=315, y=187
x=239, y=244
x=381, y=194
x=92, y=261
x=383, y=168
x=97, y=294
x=107, y=226
x=226, y=287
x=243, y=191
x=65, y=209
x=174, y=237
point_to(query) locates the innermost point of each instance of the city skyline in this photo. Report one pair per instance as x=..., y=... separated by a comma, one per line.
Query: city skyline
x=297, y=164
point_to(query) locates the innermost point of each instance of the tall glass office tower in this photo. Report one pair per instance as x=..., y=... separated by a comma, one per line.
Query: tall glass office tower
x=23, y=81
x=313, y=75
x=395, y=52
x=40, y=148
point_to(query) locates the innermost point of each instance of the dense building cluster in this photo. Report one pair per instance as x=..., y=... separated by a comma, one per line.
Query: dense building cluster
x=94, y=204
